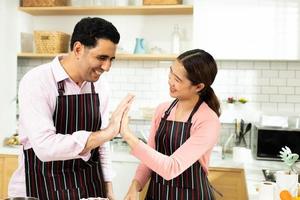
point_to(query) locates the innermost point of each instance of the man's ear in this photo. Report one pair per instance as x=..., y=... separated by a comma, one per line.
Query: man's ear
x=199, y=87
x=78, y=49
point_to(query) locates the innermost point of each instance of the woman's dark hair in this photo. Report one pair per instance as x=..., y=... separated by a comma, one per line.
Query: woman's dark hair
x=201, y=67
x=88, y=30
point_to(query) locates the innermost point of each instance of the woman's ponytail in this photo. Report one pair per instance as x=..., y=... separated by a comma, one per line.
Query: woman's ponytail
x=201, y=67
x=210, y=98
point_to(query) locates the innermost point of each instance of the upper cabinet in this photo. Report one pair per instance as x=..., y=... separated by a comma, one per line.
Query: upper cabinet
x=111, y=10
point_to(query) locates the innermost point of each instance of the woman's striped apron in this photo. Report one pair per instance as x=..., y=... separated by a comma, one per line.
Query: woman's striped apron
x=75, y=178
x=192, y=184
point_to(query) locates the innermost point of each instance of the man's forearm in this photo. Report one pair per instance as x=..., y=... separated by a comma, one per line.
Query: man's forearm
x=96, y=139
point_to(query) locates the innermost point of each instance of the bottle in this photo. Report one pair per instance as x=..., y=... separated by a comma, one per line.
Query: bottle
x=176, y=40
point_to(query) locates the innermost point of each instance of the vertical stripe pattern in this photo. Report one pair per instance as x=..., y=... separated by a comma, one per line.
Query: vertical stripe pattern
x=74, y=178
x=192, y=184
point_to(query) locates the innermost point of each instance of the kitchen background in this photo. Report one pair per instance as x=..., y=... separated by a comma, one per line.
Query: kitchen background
x=256, y=45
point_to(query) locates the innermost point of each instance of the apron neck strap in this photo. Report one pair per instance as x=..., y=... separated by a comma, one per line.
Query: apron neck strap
x=167, y=113
x=61, y=88
x=195, y=109
x=93, y=88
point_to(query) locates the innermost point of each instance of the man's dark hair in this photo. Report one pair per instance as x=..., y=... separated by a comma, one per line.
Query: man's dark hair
x=88, y=30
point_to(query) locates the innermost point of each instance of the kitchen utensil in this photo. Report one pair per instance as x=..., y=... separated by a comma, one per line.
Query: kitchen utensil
x=242, y=134
x=236, y=128
x=269, y=175
x=242, y=127
x=288, y=157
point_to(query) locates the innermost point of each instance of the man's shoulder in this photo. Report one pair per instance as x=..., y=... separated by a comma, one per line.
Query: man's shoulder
x=37, y=74
x=101, y=85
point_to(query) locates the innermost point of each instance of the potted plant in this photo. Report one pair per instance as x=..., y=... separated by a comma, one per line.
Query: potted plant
x=288, y=180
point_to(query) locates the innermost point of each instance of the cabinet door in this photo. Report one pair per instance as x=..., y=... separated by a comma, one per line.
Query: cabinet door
x=8, y=164
x=1, y=177
x=230, y=182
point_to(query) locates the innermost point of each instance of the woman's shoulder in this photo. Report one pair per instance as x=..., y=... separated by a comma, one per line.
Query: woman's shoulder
x=162, y=107
x=205, y=113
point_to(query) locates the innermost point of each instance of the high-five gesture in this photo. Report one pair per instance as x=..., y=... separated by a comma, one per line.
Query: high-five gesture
x=116, y=117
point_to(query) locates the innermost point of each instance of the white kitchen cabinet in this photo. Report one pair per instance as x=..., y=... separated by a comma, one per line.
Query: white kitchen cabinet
x=249, y=29
x=124, y=173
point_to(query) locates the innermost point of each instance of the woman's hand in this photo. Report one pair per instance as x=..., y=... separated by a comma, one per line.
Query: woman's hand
x=111, y=196
x=133, y=193
x=124, y=129
x=109, y=191
x=126, y=133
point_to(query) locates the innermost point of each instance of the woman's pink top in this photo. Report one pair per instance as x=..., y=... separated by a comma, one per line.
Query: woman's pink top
x=204, y=135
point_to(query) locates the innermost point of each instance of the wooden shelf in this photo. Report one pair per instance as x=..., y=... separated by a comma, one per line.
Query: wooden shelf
x=36, y=55
x=110, y=10
x=121, y=56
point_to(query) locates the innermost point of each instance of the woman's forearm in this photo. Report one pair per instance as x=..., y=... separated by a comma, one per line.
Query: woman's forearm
x=131, y=139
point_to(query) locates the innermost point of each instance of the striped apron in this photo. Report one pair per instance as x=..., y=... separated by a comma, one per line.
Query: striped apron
x=69, y=179
x=192, y=184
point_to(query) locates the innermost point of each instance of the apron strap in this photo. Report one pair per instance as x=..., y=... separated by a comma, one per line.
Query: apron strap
x=168, y=111
x=195, y=109
x=93, y=88
x=60, y=88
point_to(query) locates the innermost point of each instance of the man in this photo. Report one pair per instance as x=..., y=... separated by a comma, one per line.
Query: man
x=64, y=122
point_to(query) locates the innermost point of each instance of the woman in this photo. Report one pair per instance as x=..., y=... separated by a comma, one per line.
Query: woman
x=183, y=134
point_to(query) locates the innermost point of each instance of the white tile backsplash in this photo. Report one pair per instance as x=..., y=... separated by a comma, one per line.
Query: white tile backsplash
x=270, y=86
x=277, y=82
x=269, y=90
x=286, y=90
x=293, y=82
x=293, y=65
x=287, y=74
x=293, y=98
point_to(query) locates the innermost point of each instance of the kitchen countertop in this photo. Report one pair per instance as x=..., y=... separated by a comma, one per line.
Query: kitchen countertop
x=253, y=171
x=14, y=150
x=253, y=168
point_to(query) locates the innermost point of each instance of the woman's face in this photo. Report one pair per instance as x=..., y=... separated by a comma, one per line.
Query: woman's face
x=179, y=85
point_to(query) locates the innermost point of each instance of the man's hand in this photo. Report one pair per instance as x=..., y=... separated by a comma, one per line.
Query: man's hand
x=115, y=122
x=96, y=139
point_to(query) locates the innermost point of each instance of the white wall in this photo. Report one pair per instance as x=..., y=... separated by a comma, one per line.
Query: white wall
x=248, y=29
x=8, y=66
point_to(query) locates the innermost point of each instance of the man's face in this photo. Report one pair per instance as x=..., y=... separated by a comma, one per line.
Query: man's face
x=97, y=60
